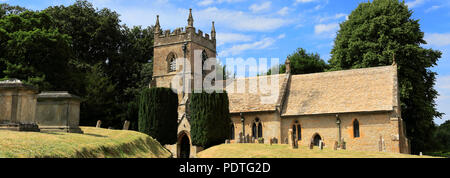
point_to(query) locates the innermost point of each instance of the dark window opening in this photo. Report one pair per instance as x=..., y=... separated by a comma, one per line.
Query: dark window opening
x=172, y=62
x=317, y=140
x=254, y=130
x=356, y=129
x=260, y=130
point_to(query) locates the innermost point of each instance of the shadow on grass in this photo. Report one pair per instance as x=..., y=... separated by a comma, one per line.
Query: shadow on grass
x=53, y=133
x=140, y=146
x=95, y=135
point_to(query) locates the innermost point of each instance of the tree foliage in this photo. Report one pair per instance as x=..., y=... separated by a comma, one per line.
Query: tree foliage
x=34, y=51
x=158, y=114
x=80, y=49
x=303, y=63
x=210, y=118
x=442, y=137
x=374, y=33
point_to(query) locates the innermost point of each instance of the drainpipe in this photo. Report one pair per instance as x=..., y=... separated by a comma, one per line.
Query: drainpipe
x=338, y=122
x=243, y=125
x=184, y=67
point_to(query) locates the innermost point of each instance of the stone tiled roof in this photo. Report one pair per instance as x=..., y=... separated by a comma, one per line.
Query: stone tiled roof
x=259, y=97
x=359, y=90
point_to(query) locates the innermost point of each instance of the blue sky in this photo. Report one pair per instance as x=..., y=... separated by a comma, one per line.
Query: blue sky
x=275, y=28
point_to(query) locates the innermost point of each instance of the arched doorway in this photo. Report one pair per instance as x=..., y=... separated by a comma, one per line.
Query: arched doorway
x=317, y=138
x=183, y=146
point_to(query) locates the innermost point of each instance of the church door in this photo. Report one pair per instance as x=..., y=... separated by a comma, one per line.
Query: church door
x=317, y=139
x=185, y=147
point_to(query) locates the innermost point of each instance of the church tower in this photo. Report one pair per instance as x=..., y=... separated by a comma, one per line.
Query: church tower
x=180, y=44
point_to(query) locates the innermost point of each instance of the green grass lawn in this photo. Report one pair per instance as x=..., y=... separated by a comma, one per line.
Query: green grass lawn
x=284, y=151
x=94, y=143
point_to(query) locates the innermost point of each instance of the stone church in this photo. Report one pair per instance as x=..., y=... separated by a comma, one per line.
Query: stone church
x=353, y=109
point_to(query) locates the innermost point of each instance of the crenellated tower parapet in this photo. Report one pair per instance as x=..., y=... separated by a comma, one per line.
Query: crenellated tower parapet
x=187, y=34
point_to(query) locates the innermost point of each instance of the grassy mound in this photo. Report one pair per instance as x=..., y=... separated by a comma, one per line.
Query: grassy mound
x=284, y=151
x=94, y=143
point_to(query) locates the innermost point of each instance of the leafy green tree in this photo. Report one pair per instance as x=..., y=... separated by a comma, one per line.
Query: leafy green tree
x=80, y=49
x=158, y=114
x=281, y=69
x=442, y=137
x=99, y=102
x=34, y=51
x=374, y=33
x=123, y=53
x=210, y=118
x=6, y=9
x=303, y=63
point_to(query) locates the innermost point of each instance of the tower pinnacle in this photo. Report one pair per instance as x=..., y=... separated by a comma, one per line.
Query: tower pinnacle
x=190, y=19
x=213, y=31
x=157, y=26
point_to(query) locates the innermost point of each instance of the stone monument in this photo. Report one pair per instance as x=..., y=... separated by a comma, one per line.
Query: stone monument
x=58, y=111
x=17, y=106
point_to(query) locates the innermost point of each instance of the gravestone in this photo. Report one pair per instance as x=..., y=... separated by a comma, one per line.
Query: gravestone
x=227, y=141
x=286, y=141
x=336, y=145
x=247, y=138
x=311, y=144
x=321, y=145
x=253, y=140
x=58, y=111
x=261, y=141
x=99, y=124
x=274, y=140
x=292, y=139
x=380, y=144
x=241, y=138
x=126, y=125
x=343, y=145
x=18, y=106
x=271, y=141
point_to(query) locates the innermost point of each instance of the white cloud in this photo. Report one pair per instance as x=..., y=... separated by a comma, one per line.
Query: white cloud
x=240, y=48
x=241, y=21
x=414, y=3
x=210, y=2
x=334, y=17
x=303, y=1
x=443, y=82
x=432, y=8
x=281, y=36
x=205, y=2
x=260, y=7
x=326, y=30
x=283, y=11
x=443, y=100
x=437, y=39
x=225, y=38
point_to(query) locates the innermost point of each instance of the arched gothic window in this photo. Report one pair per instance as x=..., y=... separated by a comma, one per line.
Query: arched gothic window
x=257, y=129
x=260, y=130
x=254, y=130
x=297, y=131
x=356, y=129
x=172, y=61
x=204, y=58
